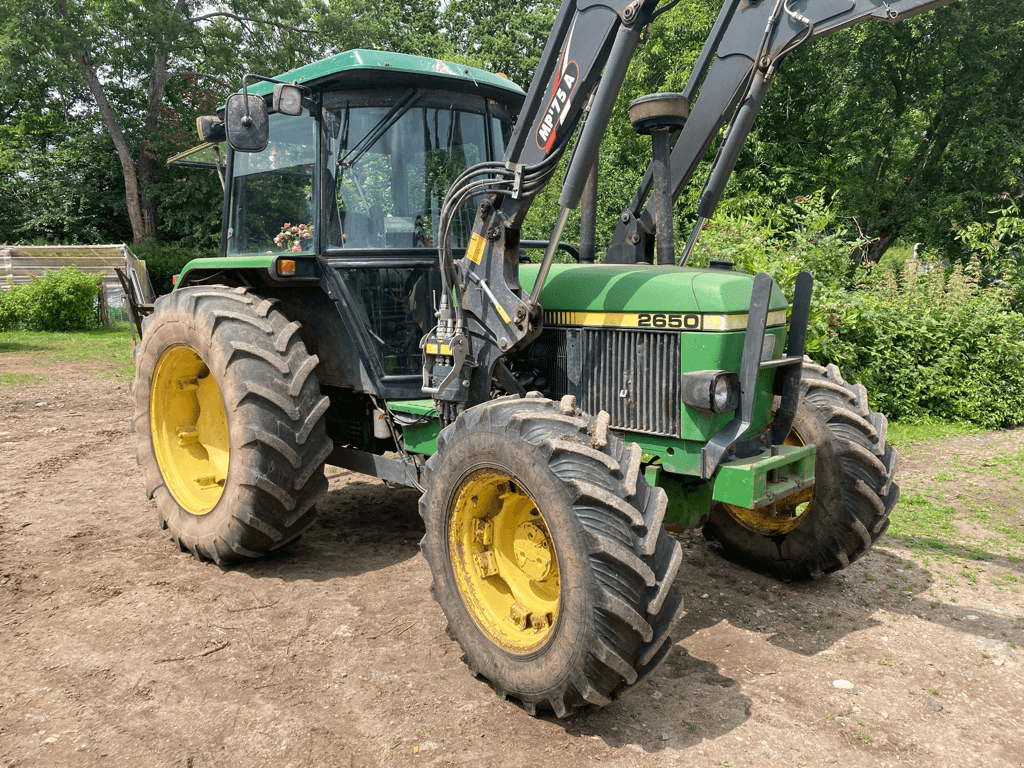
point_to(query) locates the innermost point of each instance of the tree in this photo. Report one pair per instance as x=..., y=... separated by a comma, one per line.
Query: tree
x=913, y=127
x=123, y=54
x=498, y=35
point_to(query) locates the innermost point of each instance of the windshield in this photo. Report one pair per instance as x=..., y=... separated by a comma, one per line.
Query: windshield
x=390, y=164
x=272, y=192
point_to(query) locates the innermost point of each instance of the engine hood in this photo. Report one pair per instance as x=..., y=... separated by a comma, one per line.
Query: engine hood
x=645, y=288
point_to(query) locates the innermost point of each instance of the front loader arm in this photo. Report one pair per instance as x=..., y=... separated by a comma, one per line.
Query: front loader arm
x=483, y=312
x=742, y=54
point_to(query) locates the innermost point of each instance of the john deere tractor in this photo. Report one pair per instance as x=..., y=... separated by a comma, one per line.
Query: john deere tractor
x=373, y=308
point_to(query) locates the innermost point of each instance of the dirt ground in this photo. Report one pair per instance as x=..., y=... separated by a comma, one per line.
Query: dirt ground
x=119, y=650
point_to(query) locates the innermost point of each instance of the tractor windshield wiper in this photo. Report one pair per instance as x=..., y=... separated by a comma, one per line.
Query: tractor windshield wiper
x=393, y=115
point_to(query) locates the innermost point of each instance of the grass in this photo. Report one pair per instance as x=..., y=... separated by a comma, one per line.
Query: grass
x=919, y=518
x=107, y=351
x=965, y=513
x=928, y=429
x=21, y=379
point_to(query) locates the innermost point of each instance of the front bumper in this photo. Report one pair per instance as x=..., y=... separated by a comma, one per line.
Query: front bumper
x=762, y=480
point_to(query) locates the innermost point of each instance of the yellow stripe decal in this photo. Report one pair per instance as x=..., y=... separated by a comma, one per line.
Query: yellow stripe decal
x=669, y=321
x=475, y=251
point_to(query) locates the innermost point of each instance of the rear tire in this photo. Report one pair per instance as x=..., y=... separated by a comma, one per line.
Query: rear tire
x=854, y=492
x=230, y=423
x=595, y=564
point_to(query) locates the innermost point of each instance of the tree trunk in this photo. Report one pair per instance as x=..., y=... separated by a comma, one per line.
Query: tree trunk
x=873, y=251
x=131, y=183
x=138, y=176
x=147, y=158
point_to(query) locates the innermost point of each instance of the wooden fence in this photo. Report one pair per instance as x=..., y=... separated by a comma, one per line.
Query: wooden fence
x=20, y=263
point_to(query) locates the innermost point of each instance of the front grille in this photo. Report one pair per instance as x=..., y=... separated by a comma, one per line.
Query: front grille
x=631, y=374
x=634, y=376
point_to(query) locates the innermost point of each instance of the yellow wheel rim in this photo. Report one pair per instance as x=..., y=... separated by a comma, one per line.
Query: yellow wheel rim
x=788, y=513
x=504, y=560
x=189, y=429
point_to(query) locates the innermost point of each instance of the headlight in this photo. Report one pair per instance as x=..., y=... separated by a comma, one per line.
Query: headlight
x=725, y=391
x=287, y=99
x=714, y=391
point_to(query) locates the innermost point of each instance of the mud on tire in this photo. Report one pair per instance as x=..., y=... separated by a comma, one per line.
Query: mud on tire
x=274, y=413
x=854, y=492
x=616, y=563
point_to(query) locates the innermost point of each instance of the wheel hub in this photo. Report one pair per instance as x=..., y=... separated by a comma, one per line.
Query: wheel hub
x=189, y=429
x=533, y=551
x=504, y=560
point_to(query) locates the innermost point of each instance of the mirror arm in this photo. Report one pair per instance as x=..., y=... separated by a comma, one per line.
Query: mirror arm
x=247, y=120
x=253, y=76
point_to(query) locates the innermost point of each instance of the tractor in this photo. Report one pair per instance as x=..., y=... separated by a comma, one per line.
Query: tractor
x=374, y=308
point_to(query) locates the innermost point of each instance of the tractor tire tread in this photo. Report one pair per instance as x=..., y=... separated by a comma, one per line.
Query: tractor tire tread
x=631, y=557
x=277, y=432
x=857, y=483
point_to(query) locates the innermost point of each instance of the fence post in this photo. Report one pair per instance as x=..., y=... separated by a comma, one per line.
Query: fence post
x=103, y=306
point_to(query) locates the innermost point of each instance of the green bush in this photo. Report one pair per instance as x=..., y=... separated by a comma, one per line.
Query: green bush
x=65, y=300
x=62, y=300
x=927, y=343
x=15, y=307
x=164, y=260
x=998, y=245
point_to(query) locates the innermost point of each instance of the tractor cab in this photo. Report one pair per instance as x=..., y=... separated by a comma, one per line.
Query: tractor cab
x=365, y=163
x=354, y=171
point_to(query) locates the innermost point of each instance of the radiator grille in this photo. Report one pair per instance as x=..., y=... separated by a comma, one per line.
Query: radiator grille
x=634, y=375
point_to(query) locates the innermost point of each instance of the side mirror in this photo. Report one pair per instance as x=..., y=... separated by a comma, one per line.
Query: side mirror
x=246, y=123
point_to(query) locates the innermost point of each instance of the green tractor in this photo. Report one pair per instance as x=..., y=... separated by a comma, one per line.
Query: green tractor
x=373, y=309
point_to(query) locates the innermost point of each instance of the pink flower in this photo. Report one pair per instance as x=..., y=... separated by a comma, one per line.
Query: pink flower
x=296, y=248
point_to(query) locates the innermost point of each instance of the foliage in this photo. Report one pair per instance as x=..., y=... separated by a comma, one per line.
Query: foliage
x=64, y=300
x=59, y=186
x=61, y=300
x=915, y=125
x=927, y=343
x=806, y=236
x=15, y=307
x=498, y=35
x=998, y=246
x=164, y=260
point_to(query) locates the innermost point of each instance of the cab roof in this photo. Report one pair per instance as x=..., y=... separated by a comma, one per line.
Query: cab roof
x=382, y=69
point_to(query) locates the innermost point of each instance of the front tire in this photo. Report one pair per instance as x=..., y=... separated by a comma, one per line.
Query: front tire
x=230, y=423
x=548, y=553
x=853, y=495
